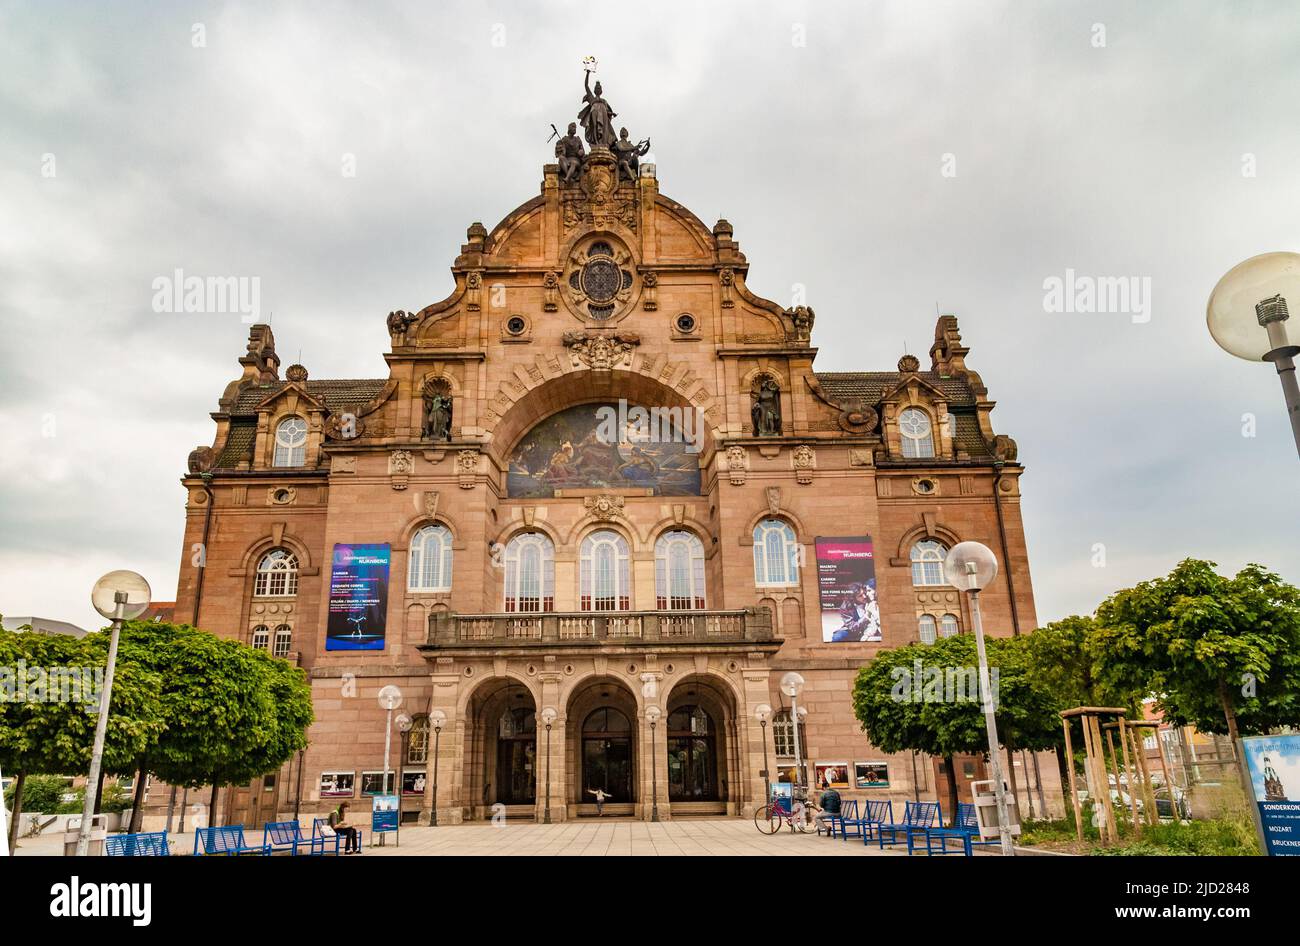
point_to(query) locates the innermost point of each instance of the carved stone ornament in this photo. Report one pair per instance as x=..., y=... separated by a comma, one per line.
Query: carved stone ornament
x=473, y=289
x=600, y=201
x=803, y=319
x=201, y=459
x=727, y=278
x=281, y=495
x=550, y=286
x=466, y=465
x=343, y=464
x=400, y=321
x=400, y=465
x=601, y=352
x=650, y=291
x=295, y=373
x=909, y=364
x=1005, y=449
x=431, y=503
x=857, y=417
x=344, y=425
x=737, y=464
x=804, y=460
x=604, y=507
x=773, y=499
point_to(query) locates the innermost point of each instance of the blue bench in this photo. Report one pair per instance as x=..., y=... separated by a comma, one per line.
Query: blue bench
x=144, y=844
x=847, y=815
x=918, y=818
x=875, y=816
x=325, y=841
x=227, y=840
x=287, y=836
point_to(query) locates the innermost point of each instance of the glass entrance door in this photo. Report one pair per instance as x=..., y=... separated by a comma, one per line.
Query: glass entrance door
x=516, y=757
x=692, y=760
x=607, y=756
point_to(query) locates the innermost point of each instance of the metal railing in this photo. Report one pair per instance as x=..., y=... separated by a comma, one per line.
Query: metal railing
x=595, y=628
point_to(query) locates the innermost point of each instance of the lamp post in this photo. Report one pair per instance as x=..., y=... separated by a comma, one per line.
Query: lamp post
x=652, y=713
x=763, y=712
x=119, y=596
x=390, y=698
x=792, y=686
x=970, y=567
x=437, y=719
x=548, y=717
x=1247, y=316
x=404, y=724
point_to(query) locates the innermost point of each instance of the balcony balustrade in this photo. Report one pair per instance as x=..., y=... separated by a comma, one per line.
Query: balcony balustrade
x=576, y=628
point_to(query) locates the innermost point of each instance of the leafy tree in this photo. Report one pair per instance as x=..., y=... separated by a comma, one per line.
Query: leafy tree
x=1221, y=654
x=903, y=706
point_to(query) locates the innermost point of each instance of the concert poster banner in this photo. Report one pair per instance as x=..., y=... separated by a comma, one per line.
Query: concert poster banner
x=358, y=603
x=846, y=582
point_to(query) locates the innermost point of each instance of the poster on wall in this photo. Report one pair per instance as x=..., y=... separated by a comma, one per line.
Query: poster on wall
x=337, y=784
x=870, y=775
x=832, y=775
x=787, y=772
x=413, y=783
x=846, y=583
x=1274, y=766
x=358, y=602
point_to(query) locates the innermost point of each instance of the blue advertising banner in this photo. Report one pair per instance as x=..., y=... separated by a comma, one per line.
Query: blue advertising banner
x=383, y=816
x=358, y=603
x=1274, y=766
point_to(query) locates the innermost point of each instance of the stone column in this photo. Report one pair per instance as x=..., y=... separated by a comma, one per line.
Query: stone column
x=652, y=751
x=550, y=697
x=445, y=764
x=751, y=735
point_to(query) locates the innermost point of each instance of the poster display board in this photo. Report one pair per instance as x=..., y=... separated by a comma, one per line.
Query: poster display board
x=846, y=583
x=358, y=603
x=1274, y=766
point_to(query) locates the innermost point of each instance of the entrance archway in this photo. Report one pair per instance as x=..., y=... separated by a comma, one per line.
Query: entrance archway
x=703, y=765
x=602, y=747
x=501, y=756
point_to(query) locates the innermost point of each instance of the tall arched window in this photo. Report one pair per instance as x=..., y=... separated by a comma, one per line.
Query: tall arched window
x=605, y=584
x=290, y=442
x=430, y=564
x=776, y=554
x=948, y=625
x=277, y=575
x=783, y=735
x=918, y=440
x=927, y=629
x=679, y=571
x=927, y=562
x=261, y=636
x=283, y=641
x=530, y=573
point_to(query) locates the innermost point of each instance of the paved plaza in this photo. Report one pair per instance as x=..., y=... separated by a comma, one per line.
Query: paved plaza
x=693, y=837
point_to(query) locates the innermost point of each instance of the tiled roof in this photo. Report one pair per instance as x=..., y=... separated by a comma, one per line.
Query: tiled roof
x=342, y=394
x=967, y=435
x=870, y=386
x=239, y=445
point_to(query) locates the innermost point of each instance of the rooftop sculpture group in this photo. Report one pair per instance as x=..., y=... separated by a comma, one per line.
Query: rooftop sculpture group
x=597, y=119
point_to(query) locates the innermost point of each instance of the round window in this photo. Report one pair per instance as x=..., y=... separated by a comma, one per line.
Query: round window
x=515, y=325
x=601, y=279
x=685, y=323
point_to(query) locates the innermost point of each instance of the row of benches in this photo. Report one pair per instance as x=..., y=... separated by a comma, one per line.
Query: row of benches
x=229, y=840
x=921, y=820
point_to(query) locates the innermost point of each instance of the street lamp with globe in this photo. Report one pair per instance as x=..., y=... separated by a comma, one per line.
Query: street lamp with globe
x=119, y=596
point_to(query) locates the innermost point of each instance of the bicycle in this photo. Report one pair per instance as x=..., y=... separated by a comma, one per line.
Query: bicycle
x=771, y=816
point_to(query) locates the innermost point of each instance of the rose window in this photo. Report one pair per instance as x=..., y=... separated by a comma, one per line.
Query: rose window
x=599, y=280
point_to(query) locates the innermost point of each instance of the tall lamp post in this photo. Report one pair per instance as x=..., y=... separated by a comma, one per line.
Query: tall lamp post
x=792, y=686
x=437, y=719
x=404, y=724
x=970, y=567
x=762, y=713
x=390, y=698
x=1247, y=316
x=119, y=596
x=548, y=717
x=652, y=713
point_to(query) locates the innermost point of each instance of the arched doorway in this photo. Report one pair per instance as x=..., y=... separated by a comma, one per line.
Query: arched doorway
x=500, y=757
x=692, y=754
x=607, y=753
x=602, y=744
x=517, y=756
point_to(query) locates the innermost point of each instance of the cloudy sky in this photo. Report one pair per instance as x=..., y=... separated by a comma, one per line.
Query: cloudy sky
x=891, y=157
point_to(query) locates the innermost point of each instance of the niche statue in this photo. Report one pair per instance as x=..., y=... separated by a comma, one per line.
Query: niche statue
x=765, y=412
x=437, y=414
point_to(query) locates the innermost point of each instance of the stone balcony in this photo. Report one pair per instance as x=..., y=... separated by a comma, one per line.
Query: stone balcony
x=595, y=629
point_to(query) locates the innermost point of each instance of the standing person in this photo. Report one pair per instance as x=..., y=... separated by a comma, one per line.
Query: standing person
x=601, y=795
x=338, y=821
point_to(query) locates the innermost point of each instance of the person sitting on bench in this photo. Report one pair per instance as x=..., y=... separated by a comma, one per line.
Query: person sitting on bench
x=829, y=810
x=338, y=821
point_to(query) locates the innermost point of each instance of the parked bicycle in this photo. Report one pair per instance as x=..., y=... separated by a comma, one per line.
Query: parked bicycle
x=791, y=812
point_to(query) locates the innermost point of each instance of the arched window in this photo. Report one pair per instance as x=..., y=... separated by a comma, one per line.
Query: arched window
x=430, y=564
x=948, y=625
x=277, y=575
x=417, y=741
x=283, y=641
x=605, y=585
x=914, y=425
x=927, y=562
x=927, y=629
x=776, y=554
x=679, y=571
x=783, y=735
x=530, y=573
x=261, y=636
x=290, y=442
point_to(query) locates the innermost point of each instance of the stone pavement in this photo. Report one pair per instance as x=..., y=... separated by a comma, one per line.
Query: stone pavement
x=587, y=837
